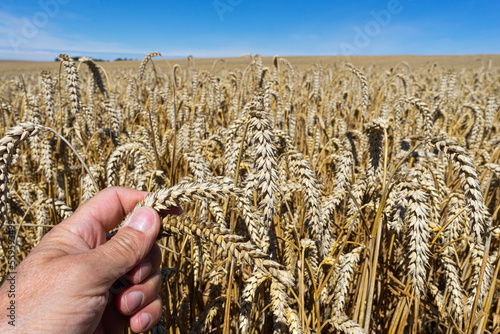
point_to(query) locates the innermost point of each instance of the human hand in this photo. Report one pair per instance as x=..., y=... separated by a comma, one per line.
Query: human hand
x=63, y=285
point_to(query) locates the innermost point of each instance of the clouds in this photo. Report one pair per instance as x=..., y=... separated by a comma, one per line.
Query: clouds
x=21, y=39
x=31, y=38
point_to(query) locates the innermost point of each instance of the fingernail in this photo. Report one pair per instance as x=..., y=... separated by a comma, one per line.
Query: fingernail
x=144, y=320
x=145, y=270
x=142, y=220
x=133, y=300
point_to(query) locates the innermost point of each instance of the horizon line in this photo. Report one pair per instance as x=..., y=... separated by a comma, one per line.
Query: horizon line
x=267, y=56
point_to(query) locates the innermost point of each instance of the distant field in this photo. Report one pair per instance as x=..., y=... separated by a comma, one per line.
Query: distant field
x=473, y=61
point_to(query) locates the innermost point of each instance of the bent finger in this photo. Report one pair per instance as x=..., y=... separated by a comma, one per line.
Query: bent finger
x=137, y=296
x=148, y=266
x=147, y=317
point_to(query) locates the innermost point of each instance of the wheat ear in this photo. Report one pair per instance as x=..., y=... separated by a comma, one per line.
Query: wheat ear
x=144, y=62
x=365, y=92
x=8, y=148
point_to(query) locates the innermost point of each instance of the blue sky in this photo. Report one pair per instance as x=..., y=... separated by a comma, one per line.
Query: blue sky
x=41, y=29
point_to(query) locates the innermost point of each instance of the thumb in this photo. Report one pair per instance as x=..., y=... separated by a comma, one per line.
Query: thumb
x=127, y=248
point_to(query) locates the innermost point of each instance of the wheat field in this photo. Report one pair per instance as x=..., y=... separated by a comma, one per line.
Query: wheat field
x=318, y=197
